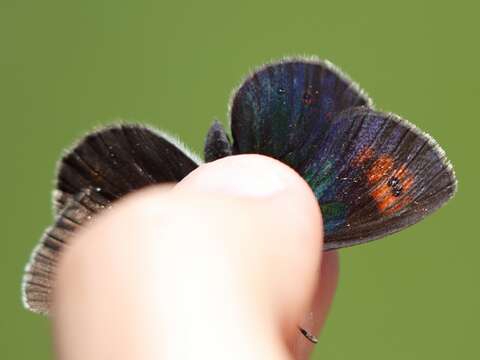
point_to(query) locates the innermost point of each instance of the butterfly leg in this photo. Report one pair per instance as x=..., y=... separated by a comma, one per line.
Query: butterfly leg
x=308, y=335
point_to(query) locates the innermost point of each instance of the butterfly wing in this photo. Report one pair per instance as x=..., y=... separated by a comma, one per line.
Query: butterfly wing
x=39, y=275
x=101, y=168
x=284, y=106
x=370, y=171
x=120, y=159
x=374, y=174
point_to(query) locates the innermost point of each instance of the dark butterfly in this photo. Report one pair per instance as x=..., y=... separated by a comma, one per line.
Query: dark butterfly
x=373, y=173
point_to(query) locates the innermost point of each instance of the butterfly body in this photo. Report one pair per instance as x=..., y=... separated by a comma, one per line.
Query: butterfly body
x=373, y=173
x=217, y=143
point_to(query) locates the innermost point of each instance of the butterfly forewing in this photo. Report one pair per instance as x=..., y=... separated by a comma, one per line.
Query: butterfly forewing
x=286, y=105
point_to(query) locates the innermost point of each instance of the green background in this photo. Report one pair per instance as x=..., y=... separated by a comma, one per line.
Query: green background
x=68, y=66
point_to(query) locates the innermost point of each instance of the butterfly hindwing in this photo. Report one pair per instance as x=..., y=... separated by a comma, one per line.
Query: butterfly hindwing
x=39, y=276
x=278, y=108
x=374, y=174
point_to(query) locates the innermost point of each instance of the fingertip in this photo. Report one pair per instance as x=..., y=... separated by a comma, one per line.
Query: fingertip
x=273, y=191
x=250, y=175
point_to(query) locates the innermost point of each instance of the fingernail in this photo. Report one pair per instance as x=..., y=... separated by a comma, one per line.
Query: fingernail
x=242, y=175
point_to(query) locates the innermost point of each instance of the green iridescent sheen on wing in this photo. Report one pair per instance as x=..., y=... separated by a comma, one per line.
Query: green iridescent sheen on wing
x=334, y=215
x=321, y=181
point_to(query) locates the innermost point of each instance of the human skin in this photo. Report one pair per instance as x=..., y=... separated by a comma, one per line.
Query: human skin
x=225, y=264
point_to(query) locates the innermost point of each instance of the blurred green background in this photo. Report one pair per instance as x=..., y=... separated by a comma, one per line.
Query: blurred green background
x=67, y=66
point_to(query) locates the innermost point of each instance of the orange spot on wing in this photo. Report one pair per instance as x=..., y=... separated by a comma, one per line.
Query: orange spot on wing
x=378, y=175
x=380, y=169
x=364, y=155
x=389, y=198
x=388, y=203
x=383, y=197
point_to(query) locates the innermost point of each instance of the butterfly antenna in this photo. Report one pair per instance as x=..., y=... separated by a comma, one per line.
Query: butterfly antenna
x=312, y=338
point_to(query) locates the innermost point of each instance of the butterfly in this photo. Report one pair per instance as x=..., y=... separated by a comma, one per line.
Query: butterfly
x=372, y=172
